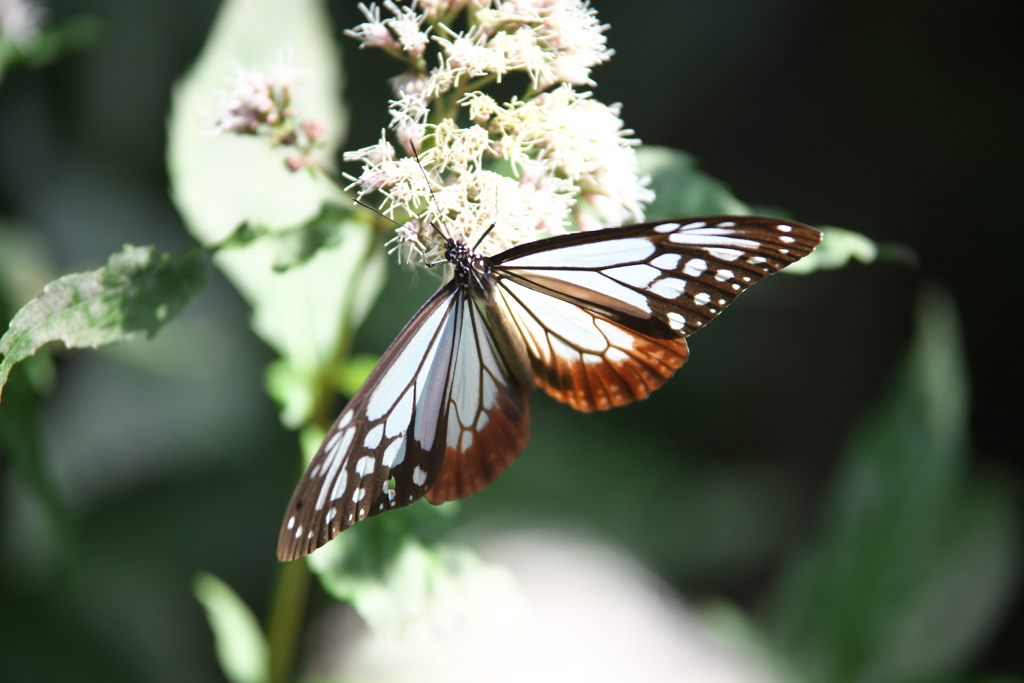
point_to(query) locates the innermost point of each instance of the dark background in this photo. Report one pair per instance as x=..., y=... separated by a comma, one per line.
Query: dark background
x=899, y=120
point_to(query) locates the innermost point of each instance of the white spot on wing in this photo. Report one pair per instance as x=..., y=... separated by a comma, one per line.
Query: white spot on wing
x=784, y=228
x=724, y=253
x=401, y=415
x=419, y=476
x=723, y=275
x=666, y=227
x=702, y=299
x=365, y=465
x=358, y=494
x=291, y=522
x=373, y=437
x=339, y=487
x=695, y=267
x=394, y=454
x=669, y=287
x=667, y=261
x=676, y=321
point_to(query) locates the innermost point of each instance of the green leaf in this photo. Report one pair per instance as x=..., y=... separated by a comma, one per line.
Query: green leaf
x=20, y=443
x=887, y=521
x=398, y=572
x=973, y=576
x=220, y=182
x=349, y=378
x=296, y=247
x=683, y=190
x=241, y=647
x=135, y=294
x=836, y=250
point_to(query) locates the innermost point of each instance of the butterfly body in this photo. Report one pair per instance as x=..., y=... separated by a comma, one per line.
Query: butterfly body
x=595, y=319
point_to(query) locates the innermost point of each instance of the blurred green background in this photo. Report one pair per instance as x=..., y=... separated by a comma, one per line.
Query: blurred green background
x=897, y=120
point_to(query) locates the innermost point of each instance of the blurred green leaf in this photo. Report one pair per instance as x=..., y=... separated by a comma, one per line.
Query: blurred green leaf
x=298, y=246
x=837, y=249
x=294, y=246
x=241, y=646
x=399, y=573
x=220, y=182
x=966, y=592
x=682, y=189
x=349, y=378
x=135, y=294
x=291, y=388
x=887, y=548
x=25, y=266
x=49, y=44
x=20, y=443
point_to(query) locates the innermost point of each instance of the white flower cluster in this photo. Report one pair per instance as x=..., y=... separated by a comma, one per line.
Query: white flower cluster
x=533, y=166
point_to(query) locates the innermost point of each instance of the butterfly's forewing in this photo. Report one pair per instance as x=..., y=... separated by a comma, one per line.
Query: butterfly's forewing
x=605, y=313
x=392, y=427
x=439, y=413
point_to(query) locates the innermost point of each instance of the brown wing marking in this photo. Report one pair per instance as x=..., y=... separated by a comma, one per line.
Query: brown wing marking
x=586, y=360
x=488, y=416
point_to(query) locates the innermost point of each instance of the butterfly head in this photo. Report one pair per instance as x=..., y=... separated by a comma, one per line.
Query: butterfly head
x=469, y=266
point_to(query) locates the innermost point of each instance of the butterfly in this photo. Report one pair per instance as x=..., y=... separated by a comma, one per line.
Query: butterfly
x=595, y=319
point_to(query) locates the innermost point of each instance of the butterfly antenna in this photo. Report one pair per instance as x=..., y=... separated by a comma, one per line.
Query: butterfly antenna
x=433, y=198
x=377, y=211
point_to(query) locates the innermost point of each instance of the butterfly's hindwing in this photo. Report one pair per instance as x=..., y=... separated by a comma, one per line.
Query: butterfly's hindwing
x=585, y=359
x=488, y=413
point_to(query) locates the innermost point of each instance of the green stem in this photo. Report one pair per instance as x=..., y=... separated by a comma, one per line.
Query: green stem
x=291, y=585
x=284, y=623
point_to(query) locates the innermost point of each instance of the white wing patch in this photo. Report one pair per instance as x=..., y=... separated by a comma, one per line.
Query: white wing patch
x=393, y=418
